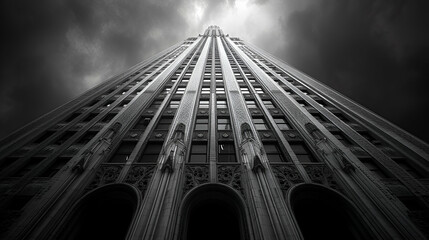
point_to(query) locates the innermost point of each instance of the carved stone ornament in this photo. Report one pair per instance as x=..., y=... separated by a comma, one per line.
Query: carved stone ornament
x=195, y=175
x=80, y=166
x=246, y=132
x=320, y=173
x=168, y=164
x=139, y=176
x=106, y=173
x=287, y=175
x=257, y=164
x=230, y=175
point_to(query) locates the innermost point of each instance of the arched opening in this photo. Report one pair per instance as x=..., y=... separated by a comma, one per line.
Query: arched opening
x=213, y=211
x=322, y=213
x=105, y=213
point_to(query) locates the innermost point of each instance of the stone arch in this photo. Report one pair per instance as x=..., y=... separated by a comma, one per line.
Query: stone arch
x=104, y=213
x=323, y=213
x=213, y=211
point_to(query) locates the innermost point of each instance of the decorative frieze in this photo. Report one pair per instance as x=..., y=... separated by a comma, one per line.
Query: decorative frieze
x=230, y=175
x=320, y=173
x=195, y=175
x=287, y=175
x=106, y=173
x=139, y=176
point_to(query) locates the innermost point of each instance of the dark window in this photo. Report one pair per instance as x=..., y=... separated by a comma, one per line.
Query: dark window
x=405, y=164
x=87, y=137
x=108, y=117
x=226, y=152
x=90, y=117
x=142, y=123
x=202, y=124
x=73, y=116
x=164, y=123
x=282, y=124
x=64, y=137
x=151, y=152
x=342, y=139
x=260, y=124
x=30, y=165
x=44, y=136
x=302, y=152
x=155, y=104
x=198, y=152
x=373, y=167
x=273, y=152
x=269, y=104
x=55, y=167
x=223, y=124
x=123, y=152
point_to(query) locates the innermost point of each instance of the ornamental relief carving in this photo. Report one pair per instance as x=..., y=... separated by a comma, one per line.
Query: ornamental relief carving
x=140, y=176
x=195, y=175
x=230, y=175
x=105, y=174
x=286, y=175
x=321, y=174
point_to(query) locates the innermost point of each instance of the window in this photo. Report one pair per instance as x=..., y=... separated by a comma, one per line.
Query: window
x=220, y=90
x=142, y=123
x=342, y=139
x=205, y=90
x=58, y=164
x=44, y=136
x=405, y=164
x=282, y=124
x=302, y=153
x=226, y=152
x=251, y=104
x=164, y=124
x=202, y=124
x=204, y=104
x=87, y=137
x=198, y=152
x=273, y=152
x=90, y=117
x=108, y=117
x=180, y=90
x=73, y=116
x=259, y=90
x=260, y=124
x=269, y=104
x=221, y=104
x=151, y=152
x=372, y=166
x=223, y=124
x=155, y=104
x=30, y=165
x=64, y=137
x=174, y=104
x=245, y=90
x=123, y=152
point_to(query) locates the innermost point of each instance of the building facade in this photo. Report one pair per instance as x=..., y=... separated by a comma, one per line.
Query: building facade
x=213, y=138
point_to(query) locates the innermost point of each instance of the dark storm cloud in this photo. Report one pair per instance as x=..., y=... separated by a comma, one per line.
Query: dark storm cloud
x=375, y=52
x=54, y=50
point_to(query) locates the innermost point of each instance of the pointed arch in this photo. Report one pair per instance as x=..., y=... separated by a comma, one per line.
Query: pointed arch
x=213, y=211
x=323, y=213
x=104, y=213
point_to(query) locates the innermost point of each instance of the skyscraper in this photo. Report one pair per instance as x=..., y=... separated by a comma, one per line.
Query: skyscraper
x=213, y=138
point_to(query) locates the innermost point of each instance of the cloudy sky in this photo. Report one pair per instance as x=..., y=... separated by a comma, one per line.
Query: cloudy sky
x=376, y=52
